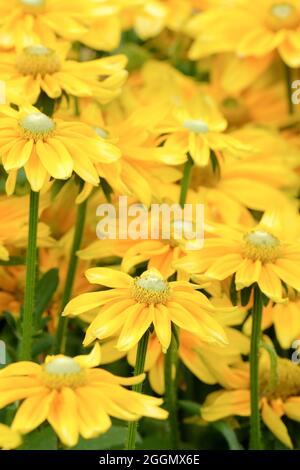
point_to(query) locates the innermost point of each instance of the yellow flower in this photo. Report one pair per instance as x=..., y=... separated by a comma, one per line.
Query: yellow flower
x=48, y=147
x=198, y=127
x=277, y=399
x=208, y=362
x=27, y=22
x=73, y=395
x=144, y=165
x=9, y=439
x=159, y=254
x=38, y=68
x=249, y=29
x=265, y=254
x=134, y=304
x=285, y=318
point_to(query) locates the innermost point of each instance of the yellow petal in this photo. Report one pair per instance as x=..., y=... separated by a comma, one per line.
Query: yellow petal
x=108, y=277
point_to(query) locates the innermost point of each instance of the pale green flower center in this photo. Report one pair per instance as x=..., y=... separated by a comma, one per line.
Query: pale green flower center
x=33, y=3
x=150, y=288
x=282, y=16
x=101, y=132
x=261, y=245
x=62, y=365
x=37, y=126
x=32, y=6
x=38, y=60
x=63, y=371
x=282, y=10
x=196, y=125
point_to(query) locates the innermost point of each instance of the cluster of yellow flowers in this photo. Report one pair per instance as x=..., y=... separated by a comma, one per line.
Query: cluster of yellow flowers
x=163, y=102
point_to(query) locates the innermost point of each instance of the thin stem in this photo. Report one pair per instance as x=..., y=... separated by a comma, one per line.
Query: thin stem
x=29, y=296
x=59, y=344
x=185, y=181
x=255, y=431
x=171, y=359
x=289, y=81
x=138, y=369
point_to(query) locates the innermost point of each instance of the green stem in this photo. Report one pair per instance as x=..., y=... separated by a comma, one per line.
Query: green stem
x=273, y=366
x=289, y=81
x=185, y=181
x=59, y=344
x=255, y=431
x=138, y=369
x=171, y=359
x=29, y=296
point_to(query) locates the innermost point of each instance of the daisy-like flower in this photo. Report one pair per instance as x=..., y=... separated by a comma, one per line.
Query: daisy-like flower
x=249, y=29
x=27, y=22
x=278, y=398
x=159, y=254
x=284, y=317
x=38, y=68
x=208, y=362
x=47, y=147
x=134, y=304
x=198, y=127
x=9, y=439
x=73, y=395
x=265, y=255
x=145, y=164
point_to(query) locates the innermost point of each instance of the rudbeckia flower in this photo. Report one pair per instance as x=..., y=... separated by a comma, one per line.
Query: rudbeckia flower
x=27, y=22
x=47, y=147
x=145, y=164
x=277, y=399
x=264, y=255
x=134, y=304
x=38, y=68
x=208, y=362
x=249, y=29
x=284, y=317
x=9, y=439
x=198, y=127
x=73, y=395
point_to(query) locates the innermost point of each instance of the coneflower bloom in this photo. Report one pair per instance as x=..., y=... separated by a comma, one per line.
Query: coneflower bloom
x=264, y=255
x=73, y=395
x=47, y=147
x=278, y=398
x=134, y=304
x=38, y=68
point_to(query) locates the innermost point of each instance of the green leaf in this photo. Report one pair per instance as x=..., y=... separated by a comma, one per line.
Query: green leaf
x=115, y=437
x=45, y=290
x=229, y=435
x=43, y=438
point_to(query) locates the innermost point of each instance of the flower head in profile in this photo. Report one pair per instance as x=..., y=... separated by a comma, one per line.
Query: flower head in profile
x=73, y=395
x=49, y=147
x=39, y=68
x=134, y=304
x=266, y=254
x=278, y=398
x=197, y=127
